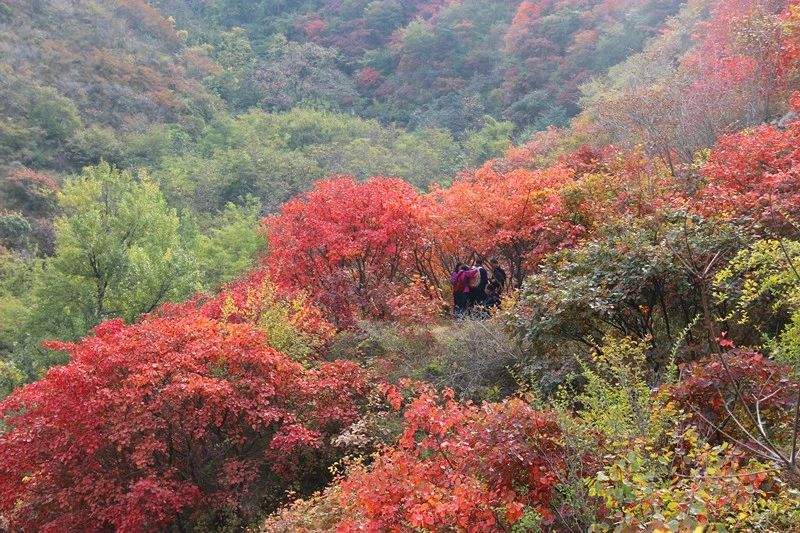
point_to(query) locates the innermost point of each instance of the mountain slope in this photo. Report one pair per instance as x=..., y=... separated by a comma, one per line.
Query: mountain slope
x=437, y=63
x=67, y=66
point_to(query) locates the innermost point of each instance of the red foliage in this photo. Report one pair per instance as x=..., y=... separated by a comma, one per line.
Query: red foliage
x=743, y=40
x=755, y=174
x=149, y=425
x=589, y=159
x=790, y=53
x=739, y=73
x=560, y=61
x=314, y=27
x=706, y=388
x=527, y=15
x=418, y=302
x=516, y=215
x=430, y=8
x=377, y=249
x=347, y=242
x=368, y=78
x=30, y=192
x=460, y=467
x=149, y=19
x=536, y=153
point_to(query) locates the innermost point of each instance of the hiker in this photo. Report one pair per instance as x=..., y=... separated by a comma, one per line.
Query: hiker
x=478, y=294
x=453, y=276
x=498, y=273
x=462, y=289
x=494, y=295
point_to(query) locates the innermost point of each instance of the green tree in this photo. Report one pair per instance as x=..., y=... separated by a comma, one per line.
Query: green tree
x=15, y=286
x=231, y=245
x=234, y=83
x=275, y=156
x=118, y=254
x=15, y=232
x=384, y=16
x=56, y=115
x=302, y=74
x=235, y=52
x=490, y=141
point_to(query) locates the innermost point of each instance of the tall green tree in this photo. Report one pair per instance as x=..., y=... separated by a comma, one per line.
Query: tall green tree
x=231, y=244
x=490, y=141
x=118, y=254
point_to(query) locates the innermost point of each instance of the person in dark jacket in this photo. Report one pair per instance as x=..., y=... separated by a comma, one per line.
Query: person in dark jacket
x=478, y=293
x=498, y=273
x=494, y=295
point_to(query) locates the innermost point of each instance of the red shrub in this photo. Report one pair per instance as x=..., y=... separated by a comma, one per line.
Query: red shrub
x=368, y=78
x=706, y=388
x=460, y=467
x=349, y=243
x=150, y=424
x=30, y=192
x=755, y=174
x=517, y=216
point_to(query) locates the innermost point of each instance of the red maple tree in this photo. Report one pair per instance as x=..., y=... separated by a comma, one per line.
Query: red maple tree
x=153, y=425
x=516, y=216
x=349, y=243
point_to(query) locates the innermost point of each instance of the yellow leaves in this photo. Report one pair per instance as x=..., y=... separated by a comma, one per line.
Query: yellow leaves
x=228, y=309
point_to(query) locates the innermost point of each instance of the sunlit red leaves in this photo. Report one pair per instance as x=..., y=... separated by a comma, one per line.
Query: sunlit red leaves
x=149, y=423
x=515, y=215
x=380, y=249
x=755, y=174
x=418, y=301
x=348, y=242
x=393, y=396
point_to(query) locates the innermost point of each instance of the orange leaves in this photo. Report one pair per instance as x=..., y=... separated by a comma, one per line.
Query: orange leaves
x=516, y=215
x=379, y=249
x=393, y=396
x=755, y=174
x=417, y=302
x=149, y=19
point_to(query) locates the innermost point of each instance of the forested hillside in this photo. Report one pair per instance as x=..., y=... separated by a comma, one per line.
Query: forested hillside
x=400, y=265
x=419, y=63
x=77, y=75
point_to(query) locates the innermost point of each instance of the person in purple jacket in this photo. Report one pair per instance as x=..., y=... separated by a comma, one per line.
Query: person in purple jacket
x=453, y=277
x=461, y=288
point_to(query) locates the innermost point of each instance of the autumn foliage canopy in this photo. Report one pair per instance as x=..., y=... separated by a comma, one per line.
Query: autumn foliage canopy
x=208, y=413
x=462, y=467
